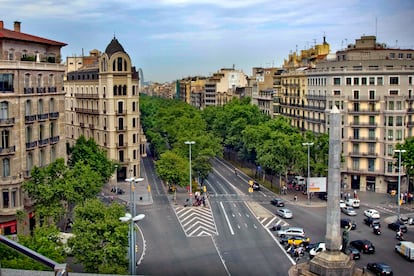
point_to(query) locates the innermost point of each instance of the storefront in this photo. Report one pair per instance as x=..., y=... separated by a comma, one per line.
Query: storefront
x=370, y=183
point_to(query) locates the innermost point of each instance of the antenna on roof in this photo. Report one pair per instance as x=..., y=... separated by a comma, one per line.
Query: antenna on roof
x=376, y=26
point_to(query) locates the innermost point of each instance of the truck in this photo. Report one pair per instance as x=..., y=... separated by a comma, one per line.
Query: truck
x=405, y=248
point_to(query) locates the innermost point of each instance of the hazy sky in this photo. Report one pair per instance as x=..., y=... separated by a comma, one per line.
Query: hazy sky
x=172, y=39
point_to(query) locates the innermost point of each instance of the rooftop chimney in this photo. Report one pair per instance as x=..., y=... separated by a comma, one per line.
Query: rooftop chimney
x=17, y=26
x=1, y=24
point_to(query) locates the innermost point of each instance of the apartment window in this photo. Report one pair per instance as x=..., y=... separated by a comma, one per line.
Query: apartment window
x=348, y=81
x=41, y=131
x=409, y=55
x=356, y=81
x=410, y=80
x=6, y=82
x=371, y=165
x=390, y=135
x=337, y=93
x=372, y=120
x=355, y=148
x=380, y=80
x=392, y=55
x=4, y=110
x=29, y=134
x=356, y=107
x=53, y=153
x=5, y=135
x=355, y=164
x=337, y=81
x=6, y=167
x=14, y=198
x=121, y=156
x=134, y=154
x=400, y=55
x=371, y=80
x=39, y=80
x=371, y=133
x=399, y=121
x=26, y=80
x=389, y=167
x=394, y=80
x=119, y=61
x=399, y=134
x=391, y=105
x=398, y=105
x=356, y=133
x=356, y=120
x=134, y=138
x=133, y=106
x=5, y=198
x=356, y=95
x=121, y=139
x=390, y=150
x=371, y=148
x=42, y=159
x=364, y=81
x=372, y=94
x=393, y=92
x=390, y=121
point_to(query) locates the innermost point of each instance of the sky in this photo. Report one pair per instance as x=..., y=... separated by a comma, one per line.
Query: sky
x=174, y=39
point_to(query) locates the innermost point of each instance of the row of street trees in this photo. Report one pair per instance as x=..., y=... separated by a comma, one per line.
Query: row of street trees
x=237, y=126
x=63, y=193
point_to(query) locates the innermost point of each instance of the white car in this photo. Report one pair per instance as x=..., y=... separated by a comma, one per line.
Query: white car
x=342, y=203
x=349, y=211
x=285, y=213
x=372, y=213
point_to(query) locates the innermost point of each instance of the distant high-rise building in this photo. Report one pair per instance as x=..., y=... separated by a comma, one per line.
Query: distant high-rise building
x=32, y=104
x=141, y=80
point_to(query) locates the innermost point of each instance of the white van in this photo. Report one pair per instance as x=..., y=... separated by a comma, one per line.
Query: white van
x=300, y=180
x=353, y=202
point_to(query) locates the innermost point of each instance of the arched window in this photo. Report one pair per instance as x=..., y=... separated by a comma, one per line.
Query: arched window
x=120, y=123
x=114, y=66
x=51, y=105
x=120, y=107
x=119, y=64
x=40, y=106
x=6, y=167
x=51, y=80
x=39, y=80
x=26, y=80
x=29, y=133
x=52, y=129
x=5, y=136
x=133, y=106
x=125, y=65
x=4, y=110
x=121, y=139
x=41, y=131
x=133, y=123
x=28, y=107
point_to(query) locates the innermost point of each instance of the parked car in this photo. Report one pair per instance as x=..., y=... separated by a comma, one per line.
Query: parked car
x=321, y=247
x=291, y=231
x=364, y=246
x=345, y=222
x=285, y=213
x=298, y=240
x=342, y=203
x=350, y=211
x=372, y=213
x=353, y=202
x=380, y=269
x=372, y=222
x=398, y=225
x=323, y=195
x=310, y=246
x=353, y=253
x=277, y=202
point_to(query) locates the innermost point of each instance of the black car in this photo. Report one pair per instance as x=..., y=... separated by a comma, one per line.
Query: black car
x=323, y=195
x=372, y=222
x=277, y=202
x=353, y=253
x=256, y=186
x=397, y=225
x=346, y=222
x=380, y=268
x=364, y=246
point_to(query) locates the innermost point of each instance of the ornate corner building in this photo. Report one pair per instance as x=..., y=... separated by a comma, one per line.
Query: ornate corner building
x=32, y=103
x=102, y=102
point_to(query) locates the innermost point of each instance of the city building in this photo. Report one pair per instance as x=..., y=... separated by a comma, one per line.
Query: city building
x=32, y=122
x=102, y=102
x=372, y=85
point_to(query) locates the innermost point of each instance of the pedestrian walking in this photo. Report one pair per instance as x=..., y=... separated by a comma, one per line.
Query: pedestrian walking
x=295, y=198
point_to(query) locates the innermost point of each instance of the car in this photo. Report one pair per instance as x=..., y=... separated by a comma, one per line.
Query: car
x=353, y=253
x=371, y=222
x=345, y=222
x=342, y=204
x=291, y=231
x=323, y=195
x=350, y=211
x=372, y=213
x=278, y=202
x=352, y=202
x=310, y=246
x=380, y=268
x=398, y=225
x=285, y=213
x=298, y=240
x=364, y=246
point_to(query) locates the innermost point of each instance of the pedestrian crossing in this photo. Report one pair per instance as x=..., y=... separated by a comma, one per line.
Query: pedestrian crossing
x=196, y=221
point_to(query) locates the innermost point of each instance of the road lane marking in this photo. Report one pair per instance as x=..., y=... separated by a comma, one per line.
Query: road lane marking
x=227, y=218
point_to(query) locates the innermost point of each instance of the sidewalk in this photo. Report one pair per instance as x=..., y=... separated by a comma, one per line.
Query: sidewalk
x=143, y=195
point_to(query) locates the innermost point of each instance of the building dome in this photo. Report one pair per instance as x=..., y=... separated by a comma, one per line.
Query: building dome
x=113, y=47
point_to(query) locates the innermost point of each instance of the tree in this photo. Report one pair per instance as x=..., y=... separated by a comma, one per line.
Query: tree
x=101, y=240
x=89, y=153
x=45, y=240
x=173, y=168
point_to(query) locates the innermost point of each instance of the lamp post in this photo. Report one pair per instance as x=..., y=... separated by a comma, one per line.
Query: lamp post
x=129, y=218
x=189, y=143
x=308, y=144
x=131, y=226
x=399, y=182
x=116, y=178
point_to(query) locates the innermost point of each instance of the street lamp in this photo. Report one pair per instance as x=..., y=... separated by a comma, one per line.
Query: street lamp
x=189, y=143
x=399, y=182
x=128, y=217
x=308, y=144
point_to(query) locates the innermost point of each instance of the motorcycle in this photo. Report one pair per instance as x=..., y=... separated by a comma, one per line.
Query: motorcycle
x=376, y=230
x=399, y=236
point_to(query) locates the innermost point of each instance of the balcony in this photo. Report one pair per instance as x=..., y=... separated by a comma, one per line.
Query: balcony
x=364, y=111
x=40, y=90
x=86, y=96
x=363, y=99
x=123, y=128
x=87, y=111
x=43, y=117
x=91, y=126
x=30, y=118
x=53, y=115
x=363, y=139
x=54, y=139
x=8, y=150
x=6, y=122
x=43, y=142
x=358, y=124
x=82, y=124
x=31, y=145
x=51, y=89
x=121, y=145
x=363, y=154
